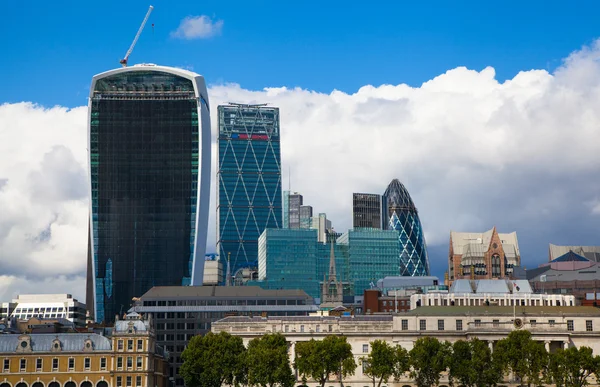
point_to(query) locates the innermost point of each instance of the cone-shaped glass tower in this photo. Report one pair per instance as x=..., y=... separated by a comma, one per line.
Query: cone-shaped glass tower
x=401, y=214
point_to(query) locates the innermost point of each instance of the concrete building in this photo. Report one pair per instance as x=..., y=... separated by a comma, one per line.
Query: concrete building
x=45, y=306
x=392, y=294
x=366, y=210
x=591, y=253
x=556, y=327
x=573, y=270
x=322, y=225
x=180, y=312
x=490, y=292
x=129, y=357
x=213, y=272
x=482, y=255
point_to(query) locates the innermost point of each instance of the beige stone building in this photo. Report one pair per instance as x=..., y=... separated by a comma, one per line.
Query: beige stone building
x=557, y=327
x=128, y=357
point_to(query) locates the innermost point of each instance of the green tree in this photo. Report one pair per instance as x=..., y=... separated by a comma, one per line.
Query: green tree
x=385, y=361
x=472, y=364
x=459, y=364
x=268, y=362
x=428, y=359
x=523, y=356
x=212, y=360
x=572, y=367
x=318, y=359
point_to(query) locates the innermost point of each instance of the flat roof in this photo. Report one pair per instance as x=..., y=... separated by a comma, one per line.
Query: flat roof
x=174, y=292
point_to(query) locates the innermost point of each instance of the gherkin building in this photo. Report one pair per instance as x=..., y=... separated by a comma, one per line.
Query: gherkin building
x=401, y=214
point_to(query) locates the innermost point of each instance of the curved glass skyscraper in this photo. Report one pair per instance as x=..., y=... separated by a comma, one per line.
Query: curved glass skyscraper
x=149, y=154
x=401, y=214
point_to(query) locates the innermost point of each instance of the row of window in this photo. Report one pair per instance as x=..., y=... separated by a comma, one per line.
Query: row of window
x=120, y=345
x=128, y=381
x=217, y=303
x=39, y=364
x=129, y=362
x=589, y=327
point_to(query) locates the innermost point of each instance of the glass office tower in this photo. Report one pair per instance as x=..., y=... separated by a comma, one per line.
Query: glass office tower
x=248, y=181
x=149, y=154
x=366, y=210
x=401, y=215
x=295, y=259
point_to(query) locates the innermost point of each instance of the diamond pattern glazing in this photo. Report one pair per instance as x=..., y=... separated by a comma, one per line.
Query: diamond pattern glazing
x=249, y=180
x=402, y=216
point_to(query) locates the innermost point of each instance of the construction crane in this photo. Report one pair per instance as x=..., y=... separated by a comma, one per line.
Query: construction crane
x=137, y=36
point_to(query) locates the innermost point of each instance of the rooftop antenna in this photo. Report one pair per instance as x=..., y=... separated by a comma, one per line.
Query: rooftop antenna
x=137, y=36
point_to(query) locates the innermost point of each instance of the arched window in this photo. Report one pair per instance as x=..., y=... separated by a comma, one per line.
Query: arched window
x=22, y=384
x=70, y=384
x=102, y=383
x=54, y=384
x=37, y=384
x=4, y=385
x=87, y=383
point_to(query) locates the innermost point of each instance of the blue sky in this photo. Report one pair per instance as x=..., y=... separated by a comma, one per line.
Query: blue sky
x=52, y=49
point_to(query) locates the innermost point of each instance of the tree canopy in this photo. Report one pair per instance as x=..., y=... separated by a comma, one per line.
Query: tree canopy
x=473, y=364
x=321, y=359
x=522, y=355
x=202, y=367
x=385, y=361
x=572, y=367
x=429, y=358
x=268, y=362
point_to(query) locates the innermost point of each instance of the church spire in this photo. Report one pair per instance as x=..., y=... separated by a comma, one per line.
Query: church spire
x=228, y=274
x=332, y=273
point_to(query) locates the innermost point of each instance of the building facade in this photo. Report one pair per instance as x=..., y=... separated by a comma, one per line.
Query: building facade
x=295, y=201
x=149, y=155
x=306, y=214
x=297, y=259
x=129, y=357
x=366, y=210
x=180, y=312
x=248, y=181
x=591, y=253
x=556, y=327
x=568, y=273
x=482, y=255
x=493, y=292
x=400, y=214
x=322, y=225
x=46, y=306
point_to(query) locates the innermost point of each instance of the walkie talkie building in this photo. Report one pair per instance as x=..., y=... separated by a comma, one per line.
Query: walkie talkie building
x=149, y=155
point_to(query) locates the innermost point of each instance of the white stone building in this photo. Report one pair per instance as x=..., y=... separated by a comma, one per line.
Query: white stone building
x=495, y=292
x=556, y=327
x=48, y=306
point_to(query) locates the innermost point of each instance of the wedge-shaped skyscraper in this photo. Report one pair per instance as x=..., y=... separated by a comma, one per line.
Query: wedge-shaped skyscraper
x=401, y=214
x=149, y=154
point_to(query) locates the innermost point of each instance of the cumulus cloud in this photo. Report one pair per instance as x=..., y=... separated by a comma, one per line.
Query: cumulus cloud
x=473, y=152
x=198, y=27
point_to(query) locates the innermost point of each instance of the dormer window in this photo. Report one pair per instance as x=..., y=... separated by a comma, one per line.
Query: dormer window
x=56, y=346
x=88, y=345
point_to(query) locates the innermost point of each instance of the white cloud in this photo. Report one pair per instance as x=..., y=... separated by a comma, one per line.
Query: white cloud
x=198, y=27
x=473, y=152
